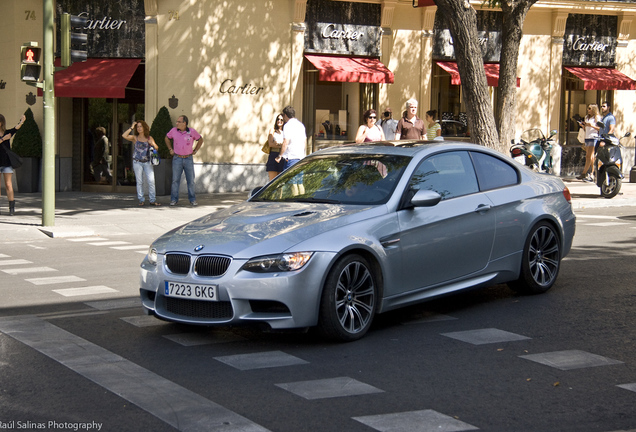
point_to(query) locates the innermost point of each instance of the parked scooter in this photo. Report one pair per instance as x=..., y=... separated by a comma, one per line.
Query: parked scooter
x=608, y=165
x=534, y=150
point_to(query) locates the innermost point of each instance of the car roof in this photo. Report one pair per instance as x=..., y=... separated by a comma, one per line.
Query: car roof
x=400, y=148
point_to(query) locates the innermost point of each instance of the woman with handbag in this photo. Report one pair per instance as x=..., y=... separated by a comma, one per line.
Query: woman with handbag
x=5, y=164
x=591, y=136
x=275, y=141
x=139, y=133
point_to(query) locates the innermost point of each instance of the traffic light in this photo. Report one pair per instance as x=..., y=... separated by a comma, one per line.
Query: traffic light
x=30, y=66
x=73, y=44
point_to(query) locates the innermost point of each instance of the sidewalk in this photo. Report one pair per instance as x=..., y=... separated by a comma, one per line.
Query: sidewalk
x=82, y=214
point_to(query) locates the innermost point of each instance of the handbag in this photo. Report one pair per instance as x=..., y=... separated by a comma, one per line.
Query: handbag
x=154, y=157
x=14, y=159
x=265, y=147
x=581, y=136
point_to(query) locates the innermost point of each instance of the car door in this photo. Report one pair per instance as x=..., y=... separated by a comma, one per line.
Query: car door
x=452, y=239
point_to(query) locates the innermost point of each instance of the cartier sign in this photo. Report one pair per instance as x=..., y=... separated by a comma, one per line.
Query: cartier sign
x=349, y=39
x=590, y=40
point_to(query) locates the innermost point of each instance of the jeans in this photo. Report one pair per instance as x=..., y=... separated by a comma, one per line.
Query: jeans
x=185, y=165
x=140, y=169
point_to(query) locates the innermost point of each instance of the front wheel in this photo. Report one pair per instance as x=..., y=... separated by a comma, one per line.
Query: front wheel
x=612, y=186
x=348, y=300
x=541, y=261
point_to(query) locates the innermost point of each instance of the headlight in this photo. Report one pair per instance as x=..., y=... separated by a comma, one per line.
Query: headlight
x=278, y=263
x=152, y=255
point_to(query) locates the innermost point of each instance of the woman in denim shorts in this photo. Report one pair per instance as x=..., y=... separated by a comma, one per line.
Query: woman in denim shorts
x=5, y=164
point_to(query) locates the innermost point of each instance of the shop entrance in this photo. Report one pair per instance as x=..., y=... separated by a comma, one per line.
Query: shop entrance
x=106, y=156
x=575, y=100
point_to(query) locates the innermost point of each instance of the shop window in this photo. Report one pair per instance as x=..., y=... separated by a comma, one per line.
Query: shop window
x=447, y=98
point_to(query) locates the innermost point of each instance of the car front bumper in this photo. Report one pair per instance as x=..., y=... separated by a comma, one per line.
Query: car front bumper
x=281, y=300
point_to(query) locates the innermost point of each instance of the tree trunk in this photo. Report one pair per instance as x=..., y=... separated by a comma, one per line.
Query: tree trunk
x=462, y=21
x=514, y=14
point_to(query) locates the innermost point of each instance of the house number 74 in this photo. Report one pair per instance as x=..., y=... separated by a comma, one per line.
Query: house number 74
x=173, y=15
x=30, y=15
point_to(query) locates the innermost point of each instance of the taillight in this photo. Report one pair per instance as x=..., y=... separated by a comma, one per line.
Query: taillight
x=516, y=152
x=566, y=195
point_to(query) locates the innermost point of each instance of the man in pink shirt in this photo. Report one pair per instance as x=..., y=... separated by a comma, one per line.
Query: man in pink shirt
x=183, y=142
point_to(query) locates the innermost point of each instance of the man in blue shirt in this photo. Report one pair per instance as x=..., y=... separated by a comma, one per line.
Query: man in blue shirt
x=608, y=120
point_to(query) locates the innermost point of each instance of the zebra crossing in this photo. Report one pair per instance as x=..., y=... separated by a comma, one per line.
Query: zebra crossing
x=16, y=266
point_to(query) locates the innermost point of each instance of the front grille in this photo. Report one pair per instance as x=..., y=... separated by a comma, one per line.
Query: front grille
x=178, y=263
x=199, y=309
x=211, y=265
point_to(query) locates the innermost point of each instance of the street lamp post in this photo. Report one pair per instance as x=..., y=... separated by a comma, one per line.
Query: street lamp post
x=48, y=151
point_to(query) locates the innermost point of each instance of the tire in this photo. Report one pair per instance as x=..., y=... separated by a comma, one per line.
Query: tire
x=348, y=302
x=541, y=261
x=612, y=187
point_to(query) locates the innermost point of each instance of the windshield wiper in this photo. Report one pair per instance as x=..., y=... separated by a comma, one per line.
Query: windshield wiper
x=312, y=200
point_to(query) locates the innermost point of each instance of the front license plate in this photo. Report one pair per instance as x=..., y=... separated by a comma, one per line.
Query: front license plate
x=192, y=291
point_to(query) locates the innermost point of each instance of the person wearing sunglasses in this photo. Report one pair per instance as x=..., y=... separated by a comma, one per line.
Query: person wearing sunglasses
x=369, y=131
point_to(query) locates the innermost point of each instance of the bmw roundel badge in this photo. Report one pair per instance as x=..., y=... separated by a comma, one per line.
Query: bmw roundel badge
x=198, y=248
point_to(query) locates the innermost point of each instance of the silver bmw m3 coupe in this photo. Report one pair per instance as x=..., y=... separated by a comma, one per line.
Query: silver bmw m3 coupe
x=352, y=231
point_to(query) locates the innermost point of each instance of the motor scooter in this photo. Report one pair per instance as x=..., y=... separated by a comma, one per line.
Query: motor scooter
x=608, y=164
x=534, y=150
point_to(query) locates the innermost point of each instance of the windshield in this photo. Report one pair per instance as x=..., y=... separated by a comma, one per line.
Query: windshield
x=337, y=179
x=532, y=135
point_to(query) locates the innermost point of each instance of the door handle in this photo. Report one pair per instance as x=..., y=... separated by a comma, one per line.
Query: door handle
x=483, y=208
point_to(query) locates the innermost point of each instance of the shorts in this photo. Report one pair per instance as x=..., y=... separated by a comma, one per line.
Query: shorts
x=6, y=170
x=590, y=142
x=272, y=165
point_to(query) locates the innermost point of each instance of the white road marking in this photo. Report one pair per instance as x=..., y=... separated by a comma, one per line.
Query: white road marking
x=17, y=271
x=131, y=247
x=55, y=280
x=110, y=243
x=91, y=290
x=15, y=262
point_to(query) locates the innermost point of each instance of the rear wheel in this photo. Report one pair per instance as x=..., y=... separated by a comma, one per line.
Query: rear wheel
x=348, y=300
x=612, y=186
x=540, y=262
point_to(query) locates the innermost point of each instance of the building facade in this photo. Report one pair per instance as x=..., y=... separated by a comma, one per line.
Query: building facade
x=231, y=67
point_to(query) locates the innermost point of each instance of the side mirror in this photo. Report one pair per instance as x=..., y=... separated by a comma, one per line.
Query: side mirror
x=553, y=132
x=600, y=124
x=426, y=198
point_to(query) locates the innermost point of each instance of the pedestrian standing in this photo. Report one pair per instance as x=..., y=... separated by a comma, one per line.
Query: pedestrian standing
x=183, y=147
x=433, y=128
x=410, y=125
x=5, y=164
x=591, y=137
x=100, y=156
x=369, y=131
x=388, y=124
x=293, y=148
x=139, y=133
x=275, y=140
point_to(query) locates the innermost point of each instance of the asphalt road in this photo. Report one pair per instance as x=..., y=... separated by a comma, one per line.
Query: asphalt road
x=76, y=352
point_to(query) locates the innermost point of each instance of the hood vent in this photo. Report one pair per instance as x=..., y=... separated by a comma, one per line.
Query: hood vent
x=305, y=213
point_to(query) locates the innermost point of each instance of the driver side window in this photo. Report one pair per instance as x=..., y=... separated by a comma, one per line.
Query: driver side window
x=449, y=174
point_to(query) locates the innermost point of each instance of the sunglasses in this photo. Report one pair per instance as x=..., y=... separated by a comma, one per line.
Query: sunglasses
x=371, y=117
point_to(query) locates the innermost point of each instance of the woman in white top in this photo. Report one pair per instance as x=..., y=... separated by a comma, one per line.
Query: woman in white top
x=369, y=131
x=275, y=140
x=591, y=136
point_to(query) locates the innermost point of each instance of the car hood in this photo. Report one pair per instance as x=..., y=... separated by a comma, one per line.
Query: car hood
x=255, y=228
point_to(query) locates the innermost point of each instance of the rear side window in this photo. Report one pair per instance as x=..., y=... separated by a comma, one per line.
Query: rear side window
x=493, y=173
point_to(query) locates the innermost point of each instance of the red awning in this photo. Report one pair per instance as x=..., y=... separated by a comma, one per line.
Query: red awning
x=491, y=69
x=602, y=78
x=95, y=78
x=351, y=69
